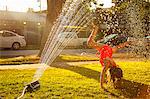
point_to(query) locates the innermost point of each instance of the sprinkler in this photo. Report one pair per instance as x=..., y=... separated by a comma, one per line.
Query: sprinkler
x=33, y=86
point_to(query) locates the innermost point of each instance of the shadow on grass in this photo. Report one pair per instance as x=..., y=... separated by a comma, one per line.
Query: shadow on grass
x=134, y=89
x=80, y=70
x=128, y=89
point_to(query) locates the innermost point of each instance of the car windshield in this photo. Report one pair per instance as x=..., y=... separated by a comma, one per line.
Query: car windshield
x=8, y=34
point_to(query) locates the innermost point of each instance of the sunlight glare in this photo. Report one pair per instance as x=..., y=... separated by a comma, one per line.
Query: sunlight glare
x=22, y=5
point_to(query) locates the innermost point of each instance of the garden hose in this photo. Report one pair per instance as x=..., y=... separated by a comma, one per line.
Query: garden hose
x=23, y=92
x=33, y=86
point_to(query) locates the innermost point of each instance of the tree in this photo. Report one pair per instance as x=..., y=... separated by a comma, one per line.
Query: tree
x=128, y=18
x=54, y=8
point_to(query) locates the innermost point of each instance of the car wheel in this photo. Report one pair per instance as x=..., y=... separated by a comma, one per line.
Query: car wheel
x=16, y=46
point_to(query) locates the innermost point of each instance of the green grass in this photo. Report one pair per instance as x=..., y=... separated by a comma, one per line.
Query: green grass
x=71, y=58
x=77, y=82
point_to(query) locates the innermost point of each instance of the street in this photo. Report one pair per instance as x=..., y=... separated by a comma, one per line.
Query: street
x=84, y=52
x=14, y=53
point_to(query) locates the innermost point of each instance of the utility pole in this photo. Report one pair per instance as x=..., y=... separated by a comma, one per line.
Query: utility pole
x=40, y=5
x=6, y=6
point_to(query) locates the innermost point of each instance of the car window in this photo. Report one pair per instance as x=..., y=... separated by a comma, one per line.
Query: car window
x=7, y=34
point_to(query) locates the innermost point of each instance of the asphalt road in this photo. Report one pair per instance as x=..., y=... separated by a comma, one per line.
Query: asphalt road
x=13, y=53
x=85, y=52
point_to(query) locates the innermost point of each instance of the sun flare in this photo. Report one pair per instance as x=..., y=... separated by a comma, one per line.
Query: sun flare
x=22, y=5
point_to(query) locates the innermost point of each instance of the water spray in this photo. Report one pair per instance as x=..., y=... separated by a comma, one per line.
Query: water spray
x=52, y=49
x=35, y=85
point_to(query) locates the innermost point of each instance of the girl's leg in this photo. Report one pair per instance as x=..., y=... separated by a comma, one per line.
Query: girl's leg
x=104, y=70
x=107, y=64
x=112, y=62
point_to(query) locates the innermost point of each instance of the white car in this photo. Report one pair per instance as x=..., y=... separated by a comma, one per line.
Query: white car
x=72, y=39
x=9, y=39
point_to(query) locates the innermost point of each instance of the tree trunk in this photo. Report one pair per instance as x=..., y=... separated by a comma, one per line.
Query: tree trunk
x=54, y=8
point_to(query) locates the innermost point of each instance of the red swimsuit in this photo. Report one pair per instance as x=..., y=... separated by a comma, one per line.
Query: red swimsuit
x=105, y=51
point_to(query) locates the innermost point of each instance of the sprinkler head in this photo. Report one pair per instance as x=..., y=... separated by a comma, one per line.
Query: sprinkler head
x=33, y=86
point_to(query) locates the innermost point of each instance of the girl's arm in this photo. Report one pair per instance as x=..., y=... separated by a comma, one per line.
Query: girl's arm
x=116, y=48
x=91, y=42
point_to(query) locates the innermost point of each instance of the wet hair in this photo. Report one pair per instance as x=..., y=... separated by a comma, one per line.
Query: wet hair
x=116, y=72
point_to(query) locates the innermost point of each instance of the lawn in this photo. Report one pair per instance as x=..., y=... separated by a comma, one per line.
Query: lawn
x=77, y=82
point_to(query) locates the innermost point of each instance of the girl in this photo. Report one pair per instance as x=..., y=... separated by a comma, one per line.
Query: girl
x=105, y=51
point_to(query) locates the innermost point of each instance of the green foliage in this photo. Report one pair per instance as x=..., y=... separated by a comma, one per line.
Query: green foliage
x=76, y=81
